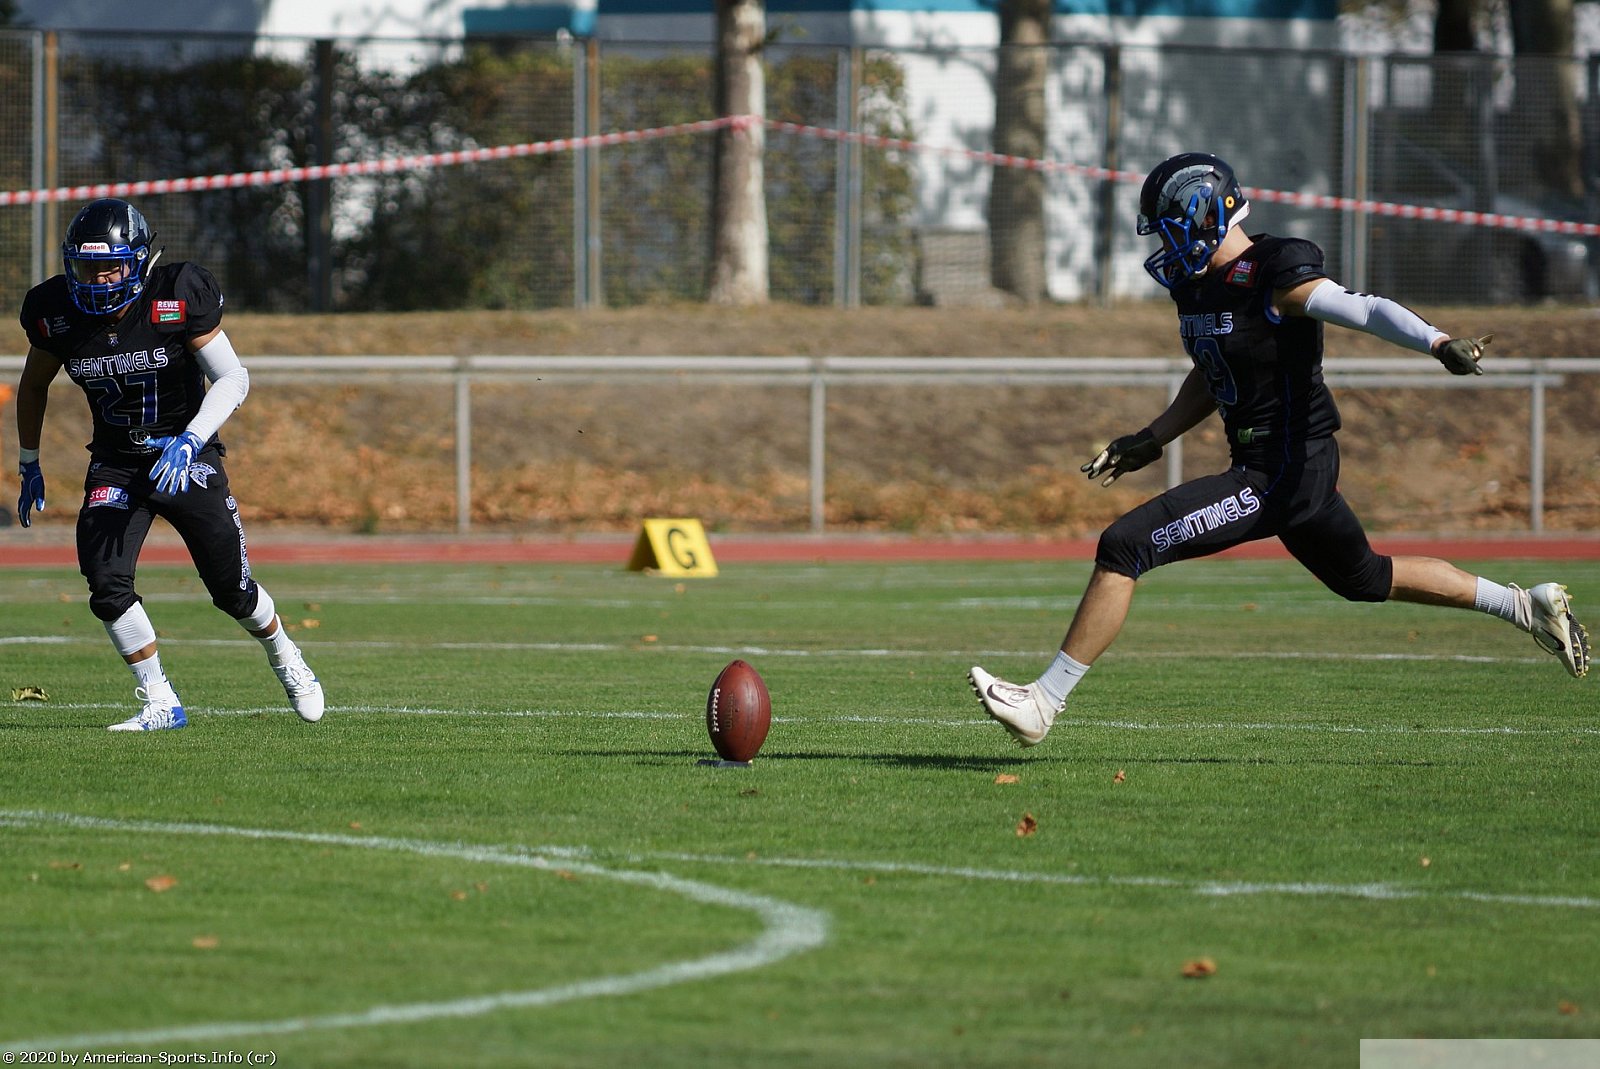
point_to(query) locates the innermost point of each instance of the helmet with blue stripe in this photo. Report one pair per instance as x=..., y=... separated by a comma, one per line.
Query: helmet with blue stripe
x=1191, y=201
x=107, y=256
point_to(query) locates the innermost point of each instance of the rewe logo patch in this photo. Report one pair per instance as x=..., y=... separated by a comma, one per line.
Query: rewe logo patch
x=169, y=311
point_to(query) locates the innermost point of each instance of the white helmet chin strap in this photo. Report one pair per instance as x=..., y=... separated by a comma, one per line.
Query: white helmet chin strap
x=1240, y=215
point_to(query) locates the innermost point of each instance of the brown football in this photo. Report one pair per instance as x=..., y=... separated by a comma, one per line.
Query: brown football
x=738, y=712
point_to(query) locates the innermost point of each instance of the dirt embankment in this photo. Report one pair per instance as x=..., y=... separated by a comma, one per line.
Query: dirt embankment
x=560, y=457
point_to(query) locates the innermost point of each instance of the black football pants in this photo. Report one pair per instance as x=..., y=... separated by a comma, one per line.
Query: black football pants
x=120, y=502
x=1293, y=497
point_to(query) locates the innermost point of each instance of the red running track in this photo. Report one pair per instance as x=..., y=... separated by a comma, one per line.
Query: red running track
x=48, y=547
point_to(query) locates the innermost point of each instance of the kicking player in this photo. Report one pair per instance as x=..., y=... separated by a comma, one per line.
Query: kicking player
x=1250, y=313
x=142, y=341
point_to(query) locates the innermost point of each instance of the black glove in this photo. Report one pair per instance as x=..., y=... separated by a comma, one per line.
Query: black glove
x=1461, y=355
x=1128, y=453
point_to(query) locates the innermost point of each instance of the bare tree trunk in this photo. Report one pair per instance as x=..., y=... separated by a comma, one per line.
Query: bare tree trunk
x=1545, y=107
x=1452, y=26
x=739, y=210
x=1016, y=196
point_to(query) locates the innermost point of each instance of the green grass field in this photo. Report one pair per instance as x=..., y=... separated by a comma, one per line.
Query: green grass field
x=498, y=849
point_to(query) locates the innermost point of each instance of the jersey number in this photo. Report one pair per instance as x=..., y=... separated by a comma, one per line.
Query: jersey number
x=1207, y=356
x=120, y=400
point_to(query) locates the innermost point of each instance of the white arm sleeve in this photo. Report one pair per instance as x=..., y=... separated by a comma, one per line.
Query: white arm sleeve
x=230, y=382
x=1378, y=316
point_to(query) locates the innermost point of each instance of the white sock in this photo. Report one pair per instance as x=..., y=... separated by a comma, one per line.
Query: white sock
x=154, y=681
x=278, y=644
x=1059, y=679
x=1502, y=601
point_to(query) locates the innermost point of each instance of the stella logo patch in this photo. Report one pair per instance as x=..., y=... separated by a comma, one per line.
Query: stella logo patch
x=106, y=497
x=169, y=311
x=1243, y=273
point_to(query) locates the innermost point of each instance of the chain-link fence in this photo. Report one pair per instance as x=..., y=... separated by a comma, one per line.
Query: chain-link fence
x=901, y=216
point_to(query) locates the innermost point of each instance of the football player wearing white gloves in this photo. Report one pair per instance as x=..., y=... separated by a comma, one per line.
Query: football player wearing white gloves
x=1250, y=314
x=143, y=342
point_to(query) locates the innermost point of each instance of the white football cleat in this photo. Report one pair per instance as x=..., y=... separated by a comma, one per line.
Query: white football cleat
x=1024, y=711
x=301, y=685
x=158, y=714
x=1555, y=630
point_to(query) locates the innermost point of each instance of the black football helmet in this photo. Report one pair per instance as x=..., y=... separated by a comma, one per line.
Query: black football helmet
x=107, y=237
x=1191, y=201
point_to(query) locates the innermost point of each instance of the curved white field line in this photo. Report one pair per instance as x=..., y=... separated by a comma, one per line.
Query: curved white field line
x=788, y=930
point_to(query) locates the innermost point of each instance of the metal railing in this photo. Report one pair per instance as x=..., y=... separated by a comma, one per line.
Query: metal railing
x=822, y=373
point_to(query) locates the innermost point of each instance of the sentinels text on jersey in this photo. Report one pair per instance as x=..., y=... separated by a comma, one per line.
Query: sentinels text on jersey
x=140, y=378
x=1264, y=369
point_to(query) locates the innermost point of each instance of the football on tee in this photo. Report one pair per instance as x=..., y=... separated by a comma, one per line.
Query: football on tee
x=738, y=712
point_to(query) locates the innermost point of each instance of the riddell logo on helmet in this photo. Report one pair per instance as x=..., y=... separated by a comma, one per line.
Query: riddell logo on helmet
x=94, y=246
x=168, y=312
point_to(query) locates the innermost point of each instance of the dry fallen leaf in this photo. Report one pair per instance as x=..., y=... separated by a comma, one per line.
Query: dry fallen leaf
x=355, y=825
x=29, y=694
x=1199, y=969
x=1567, y=1009
x=159, y=884
x=66, y=864
x=1005, y=777
x=650, y=638
x=206, y=942
x=1119, y=777
x=1027, y=825
x=313, y=606
x=310, y=623
x=459, y=896
x=1426, y=861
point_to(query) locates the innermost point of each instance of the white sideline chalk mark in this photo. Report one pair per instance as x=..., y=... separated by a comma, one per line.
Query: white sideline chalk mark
x=767, y=651
x=1380, y=892
x=788, y=930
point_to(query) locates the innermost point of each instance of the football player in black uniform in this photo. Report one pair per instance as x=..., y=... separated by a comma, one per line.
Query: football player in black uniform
x=142, y=341
x=1250, y=314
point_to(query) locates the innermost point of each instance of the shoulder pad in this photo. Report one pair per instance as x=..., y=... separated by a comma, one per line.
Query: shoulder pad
x=48, y=315
x=1287, y=262
x=184, y=299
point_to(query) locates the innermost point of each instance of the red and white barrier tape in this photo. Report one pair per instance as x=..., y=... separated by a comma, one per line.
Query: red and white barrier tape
x=1304, y=200
x=395, y=164
x=738, y=122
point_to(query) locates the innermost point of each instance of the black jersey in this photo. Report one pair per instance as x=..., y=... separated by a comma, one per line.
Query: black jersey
x=139, y=376
x=1264, y=369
